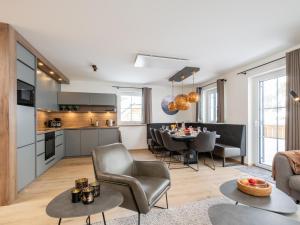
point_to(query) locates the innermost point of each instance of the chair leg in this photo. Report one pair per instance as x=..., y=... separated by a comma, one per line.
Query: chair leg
x=212, y=167
x=224, y=161
x=242, y=160
x=167, y=202
x=139, y=219
x=104, y=220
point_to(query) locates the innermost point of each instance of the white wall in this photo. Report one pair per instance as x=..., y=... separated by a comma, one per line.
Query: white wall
x=134, y=137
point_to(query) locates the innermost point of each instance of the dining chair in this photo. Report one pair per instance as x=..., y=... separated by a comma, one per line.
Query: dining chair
x=204, y=142
x=174, y=147
x=156, y=147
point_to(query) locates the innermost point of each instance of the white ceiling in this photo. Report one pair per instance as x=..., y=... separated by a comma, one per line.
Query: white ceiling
x=215, y=35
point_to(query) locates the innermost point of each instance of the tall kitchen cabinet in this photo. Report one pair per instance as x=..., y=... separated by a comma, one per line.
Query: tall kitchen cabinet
x=26, y=69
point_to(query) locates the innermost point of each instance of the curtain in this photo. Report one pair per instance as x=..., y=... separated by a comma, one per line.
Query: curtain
x=292, y=134
x=220, y=101
x=199, y=105
x=147, y=97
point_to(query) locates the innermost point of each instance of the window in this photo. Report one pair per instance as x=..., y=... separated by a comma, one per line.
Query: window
x=209, y=106
x=131, y=106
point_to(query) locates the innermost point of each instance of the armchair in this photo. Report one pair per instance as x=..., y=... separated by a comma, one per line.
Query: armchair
x=142, y=183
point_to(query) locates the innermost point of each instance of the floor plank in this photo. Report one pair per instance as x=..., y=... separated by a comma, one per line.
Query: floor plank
x=29, y=208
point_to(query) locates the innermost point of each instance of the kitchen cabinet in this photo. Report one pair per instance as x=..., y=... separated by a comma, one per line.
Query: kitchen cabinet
x=40, y=147
x=89, y=140
x=25, y=56
x=108, y=136
x=46, y=92
x=25, y=73
x=25, y=165
x=103, y=99
x=25, y=125
x=88, y=99
x=73, y=98
x=72, y=142
x=40, y=164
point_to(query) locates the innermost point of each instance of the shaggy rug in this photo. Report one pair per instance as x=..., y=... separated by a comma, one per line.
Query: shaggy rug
x=190, y=214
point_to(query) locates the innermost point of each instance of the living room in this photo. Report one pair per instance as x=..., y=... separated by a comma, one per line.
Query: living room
x=149, y=112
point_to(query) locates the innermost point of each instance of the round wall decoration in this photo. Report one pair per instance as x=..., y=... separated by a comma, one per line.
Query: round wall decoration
x=164, y=105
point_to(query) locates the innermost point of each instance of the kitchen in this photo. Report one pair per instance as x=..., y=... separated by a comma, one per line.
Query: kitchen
x=52, y=124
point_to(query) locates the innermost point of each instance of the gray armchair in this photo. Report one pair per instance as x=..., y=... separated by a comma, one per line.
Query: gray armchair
x=286, y=180
x=142, y=183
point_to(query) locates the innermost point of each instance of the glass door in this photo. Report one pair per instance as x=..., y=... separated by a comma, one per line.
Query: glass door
x=272, y=97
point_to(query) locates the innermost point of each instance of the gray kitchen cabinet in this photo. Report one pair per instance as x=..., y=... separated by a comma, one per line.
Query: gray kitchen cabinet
x=89, y=140
x=25, y=125
x=73, y=98
x=40, y=164
x=25, y=165
x=59, y=152
x=46, y=92
x=103, y=99
x=72, y=142
x=25, y=56
x=40, y=147
x=25, y=73
x=108, y=136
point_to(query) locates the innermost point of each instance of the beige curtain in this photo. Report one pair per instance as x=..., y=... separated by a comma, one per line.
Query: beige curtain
x=292, y=134
x=220, y=101
x=147, y=96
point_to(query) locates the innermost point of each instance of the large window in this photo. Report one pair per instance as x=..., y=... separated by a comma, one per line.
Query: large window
x=131, y=106
x=209, y=105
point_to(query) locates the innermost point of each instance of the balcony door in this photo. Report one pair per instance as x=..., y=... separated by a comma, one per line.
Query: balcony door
x=271, y=113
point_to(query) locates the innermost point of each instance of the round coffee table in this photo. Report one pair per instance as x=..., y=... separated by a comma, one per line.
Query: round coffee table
x=226, y=214
x=62, y=207
x=278, y=201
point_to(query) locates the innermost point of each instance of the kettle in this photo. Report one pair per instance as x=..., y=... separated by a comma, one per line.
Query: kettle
x=109, y=123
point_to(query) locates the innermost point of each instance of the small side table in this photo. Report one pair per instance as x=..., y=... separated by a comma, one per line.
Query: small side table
x=62, y=207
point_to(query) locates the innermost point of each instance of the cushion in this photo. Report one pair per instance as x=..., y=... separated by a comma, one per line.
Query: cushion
x=294, y=182
x=226, y=150
x=153, y=186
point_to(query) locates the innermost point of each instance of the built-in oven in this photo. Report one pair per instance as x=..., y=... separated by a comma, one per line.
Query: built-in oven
x=25, y=93
x=49, y=145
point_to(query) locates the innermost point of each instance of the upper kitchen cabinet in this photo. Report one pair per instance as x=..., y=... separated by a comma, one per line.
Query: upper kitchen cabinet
x=73, y=98
x=103, y=99
x=91, y=99
x=26, y=57
x=46, y=92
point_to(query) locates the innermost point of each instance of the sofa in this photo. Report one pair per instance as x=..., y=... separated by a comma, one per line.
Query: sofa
x=286, y=180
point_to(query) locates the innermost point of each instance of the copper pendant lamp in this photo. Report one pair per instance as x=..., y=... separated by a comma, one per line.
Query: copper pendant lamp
x=193, y=96
x=182, y=101
x=172, y=106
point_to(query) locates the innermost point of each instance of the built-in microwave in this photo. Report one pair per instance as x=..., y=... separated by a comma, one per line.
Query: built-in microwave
x=25, y=94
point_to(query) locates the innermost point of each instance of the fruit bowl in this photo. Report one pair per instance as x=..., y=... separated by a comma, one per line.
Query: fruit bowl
x=254, y=186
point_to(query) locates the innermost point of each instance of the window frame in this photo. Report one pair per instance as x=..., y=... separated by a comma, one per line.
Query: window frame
x=132, y=92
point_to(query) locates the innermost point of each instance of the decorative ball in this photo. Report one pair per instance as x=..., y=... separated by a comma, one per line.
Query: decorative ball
x=193, y=97
x=172, y=106
x=182, y=102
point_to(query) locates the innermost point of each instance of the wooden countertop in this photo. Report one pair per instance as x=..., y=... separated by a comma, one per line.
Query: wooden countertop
x=47, y=130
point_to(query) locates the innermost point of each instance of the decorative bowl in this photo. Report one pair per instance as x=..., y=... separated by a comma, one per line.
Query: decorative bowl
x=254, y=186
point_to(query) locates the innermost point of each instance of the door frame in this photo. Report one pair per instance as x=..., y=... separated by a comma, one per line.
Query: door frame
x=256, y=111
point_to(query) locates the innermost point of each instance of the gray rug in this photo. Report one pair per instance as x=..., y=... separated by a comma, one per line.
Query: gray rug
x=256, y=172
x=189, y=214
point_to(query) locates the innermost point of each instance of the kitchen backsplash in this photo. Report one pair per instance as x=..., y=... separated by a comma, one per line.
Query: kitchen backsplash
x=74, y=119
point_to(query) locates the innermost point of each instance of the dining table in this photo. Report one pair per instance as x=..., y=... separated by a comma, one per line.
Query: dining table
x=189, y=158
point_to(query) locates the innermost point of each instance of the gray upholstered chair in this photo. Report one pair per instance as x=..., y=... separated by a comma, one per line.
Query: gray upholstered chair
x=285, y=178
x=142, y=183
x=175, y=147
x=204, y=142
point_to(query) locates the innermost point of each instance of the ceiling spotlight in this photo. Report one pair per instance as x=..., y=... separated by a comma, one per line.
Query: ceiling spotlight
x=38, y=72
x=41, y=64
x=59, y=79
x=51, y=72
x=95, y=68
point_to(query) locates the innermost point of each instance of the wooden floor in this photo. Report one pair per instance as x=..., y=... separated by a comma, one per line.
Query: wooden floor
x=29, y=208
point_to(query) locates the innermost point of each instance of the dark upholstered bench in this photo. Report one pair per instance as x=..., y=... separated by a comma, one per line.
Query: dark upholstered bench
x=227, y=151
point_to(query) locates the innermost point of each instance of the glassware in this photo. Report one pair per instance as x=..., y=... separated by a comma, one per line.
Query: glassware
x=204, y=129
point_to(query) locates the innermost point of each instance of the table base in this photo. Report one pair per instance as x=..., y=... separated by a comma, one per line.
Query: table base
x=88, y=220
